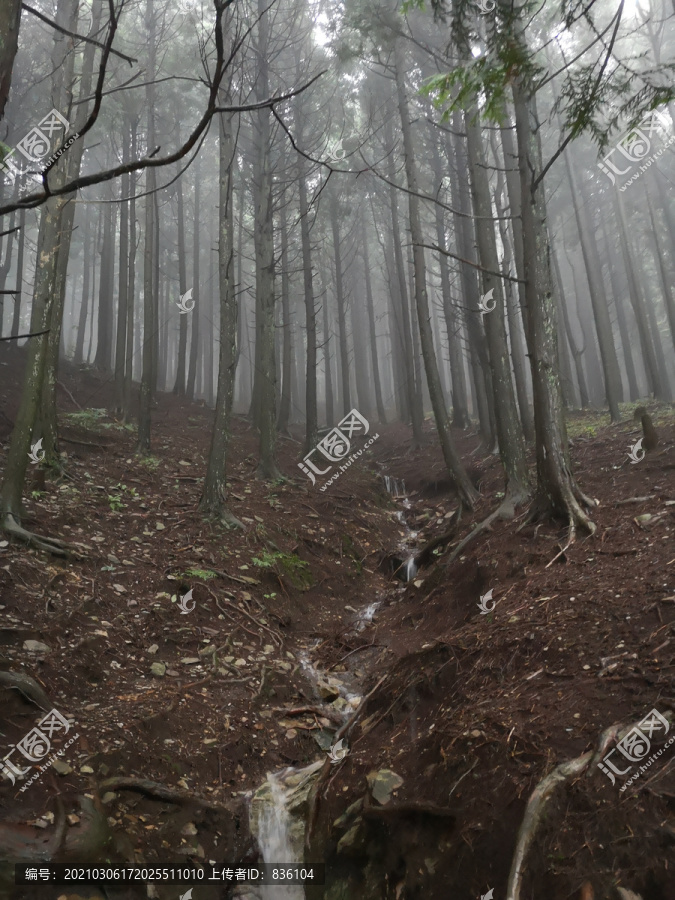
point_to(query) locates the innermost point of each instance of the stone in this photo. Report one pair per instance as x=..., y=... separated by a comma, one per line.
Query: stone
x=158, y=669
x=328, y=690
x=153, y=648
x=353, y=842
x=382, y=783
x=36, y=647
x=61, y=767
x=346, y=817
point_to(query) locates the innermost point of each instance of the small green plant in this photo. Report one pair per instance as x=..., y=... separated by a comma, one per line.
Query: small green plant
x=36, y=494
x=87, y=418
x=115, y=502
x=150, y=462
x=203, y=574
x=295, y=569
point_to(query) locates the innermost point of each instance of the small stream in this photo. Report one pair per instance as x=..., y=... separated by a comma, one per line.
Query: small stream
x=278, y=808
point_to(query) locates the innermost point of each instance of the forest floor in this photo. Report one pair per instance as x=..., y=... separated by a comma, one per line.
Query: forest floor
x=471, y=711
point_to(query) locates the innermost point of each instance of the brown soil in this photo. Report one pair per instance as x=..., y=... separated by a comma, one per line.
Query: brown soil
x=474, y=711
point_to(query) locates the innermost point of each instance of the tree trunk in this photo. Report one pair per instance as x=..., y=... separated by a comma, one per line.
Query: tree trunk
x=146, y=393
x=10, y=20
x=311, y=414
x=557, y=492
x=460, y=411
x=465, y=489
x=626, y=343
x=328, y=371
x=287, y=326
x=16, y=318
x=509, y=432
x=416, y=413
x=44, y=293
x=264, y=265
x=123, y=289
x=179, y=384
x=131, y=288
x=340, y=299
x=464, y=238
x=105, y=285
x=212, y=502
x=381, y=415
x=514, y=314
x=196, y=312
x=603, y=325
x=637, y=302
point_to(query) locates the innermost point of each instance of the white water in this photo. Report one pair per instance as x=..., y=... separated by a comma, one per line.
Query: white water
x=274, y=841
x=410, y=568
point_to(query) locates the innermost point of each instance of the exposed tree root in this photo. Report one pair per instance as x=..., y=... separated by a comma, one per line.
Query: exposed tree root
x=159, y=792
x=51, y=545
x=506, y=510
x=423, y=558
x=542, y=793
x=393, y=810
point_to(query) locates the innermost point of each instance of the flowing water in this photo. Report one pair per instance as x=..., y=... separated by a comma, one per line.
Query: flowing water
x=274, y=838
x=278, y=808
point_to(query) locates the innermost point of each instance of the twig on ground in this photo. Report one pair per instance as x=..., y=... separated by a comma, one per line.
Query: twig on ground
x=158, y=792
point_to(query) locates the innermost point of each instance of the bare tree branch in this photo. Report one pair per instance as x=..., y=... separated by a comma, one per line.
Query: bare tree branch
x=80, y=37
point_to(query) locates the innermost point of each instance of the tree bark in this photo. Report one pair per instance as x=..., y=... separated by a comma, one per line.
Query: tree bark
x=637, y=302
x=179, y=384
x=287, y=326
x=196, y=312
x=16, y=318
x=557, y=491
x=603, y=325
x=465, y=489
x=509, y=432
x=340, y=298
x=212, y=502
x=264, y=265
x=147, y=384
x=10, y=21
x=381, y=415
x=416, y=413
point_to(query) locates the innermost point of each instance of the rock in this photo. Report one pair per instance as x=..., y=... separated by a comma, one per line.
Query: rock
x=72, y=819
x=108, y=797
x=328, y=691
x=61, y=767
x=353, y=842
x=36, y=647
x=160, y=526
x=348, y=814
x=240, y=663
x=291, y=734
x=190, y=660
x=189, y=829
x=119, y=588
x=158, y=669
x=86, y=770
x=153, y=648
x=382, y=783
